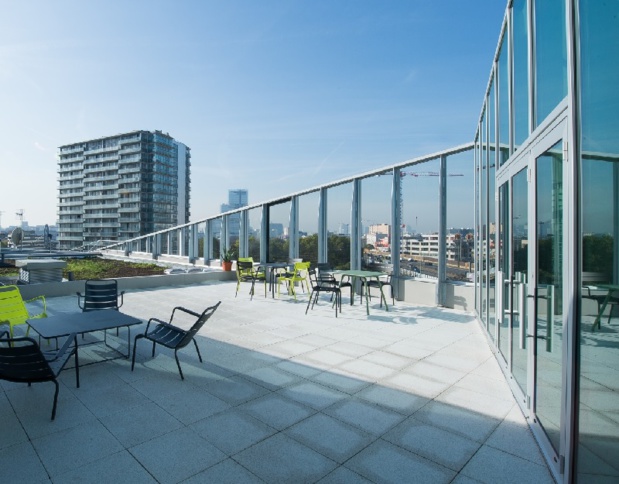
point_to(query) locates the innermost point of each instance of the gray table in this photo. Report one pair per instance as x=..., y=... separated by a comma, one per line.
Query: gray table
x=85, y=322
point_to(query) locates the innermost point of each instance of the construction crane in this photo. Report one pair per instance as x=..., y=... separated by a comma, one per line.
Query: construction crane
x=416, y=174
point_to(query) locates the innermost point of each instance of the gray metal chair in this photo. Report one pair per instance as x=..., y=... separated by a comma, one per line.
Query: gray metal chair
x=173, y=337
x=22, y=361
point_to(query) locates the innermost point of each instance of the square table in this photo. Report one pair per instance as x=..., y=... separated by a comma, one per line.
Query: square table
x=365, y=275
x=85, y=322
x=269, y=268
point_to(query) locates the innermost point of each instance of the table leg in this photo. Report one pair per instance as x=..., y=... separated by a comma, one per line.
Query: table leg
x=598, y=321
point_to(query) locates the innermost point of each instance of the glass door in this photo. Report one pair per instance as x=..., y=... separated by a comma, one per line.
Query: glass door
x=513, y=241
x=545, y=289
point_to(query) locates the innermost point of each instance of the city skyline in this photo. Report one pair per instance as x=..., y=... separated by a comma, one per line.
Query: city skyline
x=275, y=97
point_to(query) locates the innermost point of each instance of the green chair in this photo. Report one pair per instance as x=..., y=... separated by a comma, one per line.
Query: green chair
x=13, y=308
x=245, y=272
x=298, y=274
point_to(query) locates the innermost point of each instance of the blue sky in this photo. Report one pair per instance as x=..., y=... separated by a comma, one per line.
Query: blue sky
x=272, y=96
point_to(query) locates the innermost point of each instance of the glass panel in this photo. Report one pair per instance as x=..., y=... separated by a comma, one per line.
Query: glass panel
x=483, y=248
x=549, y=317
x=520, y=72
x=279, y=223
x=420, y=218
x=490, y=259
x=308, y=227
x=376, y=222
x=255, y=217
x=460, y=223
x=550, y=57
x=504, y=252
x=338, y=224
x=520, y=261
x=598, y=446
x=215, y=226
x=503, y=83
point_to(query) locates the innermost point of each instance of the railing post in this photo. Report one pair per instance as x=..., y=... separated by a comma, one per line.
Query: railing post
x=355, y=226
x=293, y=228
x=323, y=255
x=396, y=228
x=441, y=285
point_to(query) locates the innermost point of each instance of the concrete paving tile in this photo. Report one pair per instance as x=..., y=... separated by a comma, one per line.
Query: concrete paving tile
x=12, y=431
x=66, y=450
x=483, y=404
x=272, y=378
x=387, y=359
x=295, y=462
x=341, y=380
x=141, y=423
x=471, y=425
x=99, y=402
x=365, y=416
x=20, y=463
x=492, y=465
x=236, y=390
x=384, y=462
x=367, y=370
x=226, y=472
x=343, y=475
x=392, y=398
x=192, y=404
x=423, y=387
x=313, y=394
x=332, y=438
x=176, y=455
x=298, y=368
x=516, y=438
x=232, y=431
x=120, y=467
x=440, y=446
x=277, y=411
x=33, y=406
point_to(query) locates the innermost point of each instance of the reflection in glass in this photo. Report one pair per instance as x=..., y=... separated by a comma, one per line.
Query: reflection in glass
x=503, y=111
x=420, y=206
x=598, y=446
x=279, y=220
x=376, y=222
x=338, y=224
x=504, y=240
x=483, y=248
x=549, y=307
x=308, y=228
x=520, y=260
x=460, y=222
x=491, y=257
x=521, y=72
x=550, y=57
x=255, y=218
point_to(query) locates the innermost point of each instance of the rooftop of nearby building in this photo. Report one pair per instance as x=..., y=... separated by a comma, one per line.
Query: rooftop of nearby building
x=281, y=397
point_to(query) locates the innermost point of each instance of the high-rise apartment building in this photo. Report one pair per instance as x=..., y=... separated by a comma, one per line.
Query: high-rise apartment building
x=237, y=198
x=122, y=186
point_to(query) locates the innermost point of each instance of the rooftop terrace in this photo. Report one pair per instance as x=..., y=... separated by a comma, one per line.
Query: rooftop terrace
x=413, y=394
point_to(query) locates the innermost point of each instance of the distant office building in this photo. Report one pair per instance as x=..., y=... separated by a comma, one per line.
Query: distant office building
x=344, y=229
x=120, y=187
x=237, y=198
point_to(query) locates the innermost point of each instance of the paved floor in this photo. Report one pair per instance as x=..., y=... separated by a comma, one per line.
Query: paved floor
x=409, y=395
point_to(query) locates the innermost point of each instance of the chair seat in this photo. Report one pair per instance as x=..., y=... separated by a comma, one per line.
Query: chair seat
x=166, y=335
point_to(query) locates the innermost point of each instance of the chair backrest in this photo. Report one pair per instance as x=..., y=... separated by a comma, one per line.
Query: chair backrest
x=100, y=294
x=244, y=268
x=21, y=361
x=301, y=269
x=204, y=317
x=12, y=307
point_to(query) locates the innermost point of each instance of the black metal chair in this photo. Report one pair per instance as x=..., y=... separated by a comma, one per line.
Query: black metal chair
x=173, y=337
x=324, y=267
x=326, y=283
x=100, y=294
x=245, y=272
x=378, y=284
x=22, y=361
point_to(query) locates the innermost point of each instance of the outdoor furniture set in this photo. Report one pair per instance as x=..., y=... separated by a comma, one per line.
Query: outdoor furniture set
x=23, y=361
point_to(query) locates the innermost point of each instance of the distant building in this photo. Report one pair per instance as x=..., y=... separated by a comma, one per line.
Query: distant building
x=120, y=187
x=237, y=198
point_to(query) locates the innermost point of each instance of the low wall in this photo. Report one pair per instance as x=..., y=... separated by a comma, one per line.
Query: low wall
x=67, y=288
x=422, y=291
